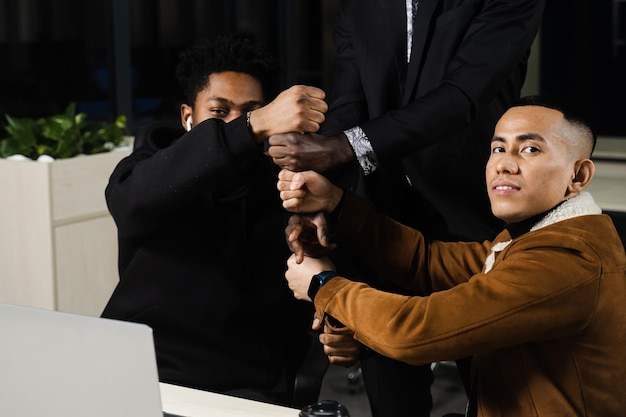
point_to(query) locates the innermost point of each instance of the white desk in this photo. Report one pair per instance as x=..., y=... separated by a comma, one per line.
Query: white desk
x=195, y=403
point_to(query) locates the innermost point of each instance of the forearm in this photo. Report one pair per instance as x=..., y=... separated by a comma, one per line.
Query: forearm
x=395, y=252
x=401, y=254
x=151, y=183
x=485, y=314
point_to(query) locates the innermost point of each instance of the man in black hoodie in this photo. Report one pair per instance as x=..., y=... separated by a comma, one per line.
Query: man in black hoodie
x=200, y=228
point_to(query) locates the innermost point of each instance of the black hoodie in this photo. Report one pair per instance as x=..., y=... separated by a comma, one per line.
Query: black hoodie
x=202, y=258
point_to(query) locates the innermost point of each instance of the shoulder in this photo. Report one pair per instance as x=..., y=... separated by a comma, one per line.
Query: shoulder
x=590, y=236
x=159, y=134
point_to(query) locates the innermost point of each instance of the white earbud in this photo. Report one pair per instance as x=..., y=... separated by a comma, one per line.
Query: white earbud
x=188, y=123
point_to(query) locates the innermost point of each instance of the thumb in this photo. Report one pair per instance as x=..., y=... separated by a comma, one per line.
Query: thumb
x=317, y=323
x=297, y=182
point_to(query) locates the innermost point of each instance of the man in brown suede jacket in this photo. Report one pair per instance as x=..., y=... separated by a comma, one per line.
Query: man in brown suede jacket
x=548, y=337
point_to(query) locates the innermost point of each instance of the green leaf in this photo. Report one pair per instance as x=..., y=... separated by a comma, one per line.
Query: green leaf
x=22, y=130
x=61, y=136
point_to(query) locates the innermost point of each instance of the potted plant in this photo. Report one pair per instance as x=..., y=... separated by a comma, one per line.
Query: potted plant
x=61, y=136
x=58, y=245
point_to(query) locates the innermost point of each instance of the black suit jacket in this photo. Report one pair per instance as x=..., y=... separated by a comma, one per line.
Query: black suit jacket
x=437, y=114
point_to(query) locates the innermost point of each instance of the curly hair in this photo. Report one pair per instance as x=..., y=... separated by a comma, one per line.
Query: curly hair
x=224, y=53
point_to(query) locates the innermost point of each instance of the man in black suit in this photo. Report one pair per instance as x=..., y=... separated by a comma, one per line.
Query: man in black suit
x=417, y=86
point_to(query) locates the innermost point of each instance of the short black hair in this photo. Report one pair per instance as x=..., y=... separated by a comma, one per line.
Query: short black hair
x=224, y=53
x=568, y=113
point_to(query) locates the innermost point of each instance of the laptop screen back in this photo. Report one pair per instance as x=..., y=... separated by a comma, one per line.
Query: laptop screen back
x=64, y=365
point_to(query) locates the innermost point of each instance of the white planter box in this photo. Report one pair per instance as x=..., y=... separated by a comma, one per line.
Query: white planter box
x=58, y=242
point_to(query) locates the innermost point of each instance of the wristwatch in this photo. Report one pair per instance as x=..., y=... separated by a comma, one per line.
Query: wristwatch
x=318, y=280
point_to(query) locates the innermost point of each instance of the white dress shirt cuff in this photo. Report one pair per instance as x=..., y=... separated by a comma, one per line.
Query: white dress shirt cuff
x=362, y=149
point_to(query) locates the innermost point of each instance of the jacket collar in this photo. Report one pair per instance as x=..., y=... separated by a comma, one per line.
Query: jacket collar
x=581, y=205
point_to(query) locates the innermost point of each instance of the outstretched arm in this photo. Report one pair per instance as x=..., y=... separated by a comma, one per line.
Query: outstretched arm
x=462, y=83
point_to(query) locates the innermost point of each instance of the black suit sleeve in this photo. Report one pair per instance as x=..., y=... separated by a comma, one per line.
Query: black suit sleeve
x=347, y=100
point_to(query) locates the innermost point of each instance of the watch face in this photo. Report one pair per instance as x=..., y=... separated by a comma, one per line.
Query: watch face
x=314, y=286
x=318, y=280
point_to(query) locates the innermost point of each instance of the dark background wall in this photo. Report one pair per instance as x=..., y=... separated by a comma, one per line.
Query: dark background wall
x=583, y=59
x=118, y=56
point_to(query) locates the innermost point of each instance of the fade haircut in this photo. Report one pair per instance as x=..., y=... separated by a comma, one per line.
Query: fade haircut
x=584, y=136
x=224, y=53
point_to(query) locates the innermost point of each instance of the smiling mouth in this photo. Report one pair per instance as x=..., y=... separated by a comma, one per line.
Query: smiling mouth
x=504, y=187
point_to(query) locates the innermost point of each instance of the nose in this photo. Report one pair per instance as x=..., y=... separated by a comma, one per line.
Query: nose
x=506, y=165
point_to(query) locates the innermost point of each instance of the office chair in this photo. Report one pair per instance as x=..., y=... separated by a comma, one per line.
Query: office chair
x=310, y=374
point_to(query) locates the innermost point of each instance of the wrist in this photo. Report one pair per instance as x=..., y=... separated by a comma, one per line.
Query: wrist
x=334, y=213
x=254, y=121
x=335, y=198
x=318, y=280
x=345, y=152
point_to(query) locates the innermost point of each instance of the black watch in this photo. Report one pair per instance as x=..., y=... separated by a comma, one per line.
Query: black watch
x=317, y=281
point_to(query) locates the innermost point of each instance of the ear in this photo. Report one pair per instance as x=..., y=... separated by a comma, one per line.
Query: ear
x=584, y=170
x=185, y=116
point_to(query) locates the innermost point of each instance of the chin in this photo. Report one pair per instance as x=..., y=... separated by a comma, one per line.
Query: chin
x=506, y=216
x=506, y=220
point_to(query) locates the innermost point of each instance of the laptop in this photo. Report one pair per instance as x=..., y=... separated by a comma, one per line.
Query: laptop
x=56, y=364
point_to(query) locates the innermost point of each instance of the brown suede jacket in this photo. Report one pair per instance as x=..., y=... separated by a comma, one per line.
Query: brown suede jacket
x=543, y=315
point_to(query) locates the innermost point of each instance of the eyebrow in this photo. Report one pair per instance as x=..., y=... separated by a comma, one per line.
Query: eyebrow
x=521, y=138
x=230, y=102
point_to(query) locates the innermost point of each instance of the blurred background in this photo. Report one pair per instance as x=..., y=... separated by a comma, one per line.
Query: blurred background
x=118, y=56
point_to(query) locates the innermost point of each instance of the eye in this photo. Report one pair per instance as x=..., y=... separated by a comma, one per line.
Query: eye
x=219, y=112
x=497, y=149
x=530, y=149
